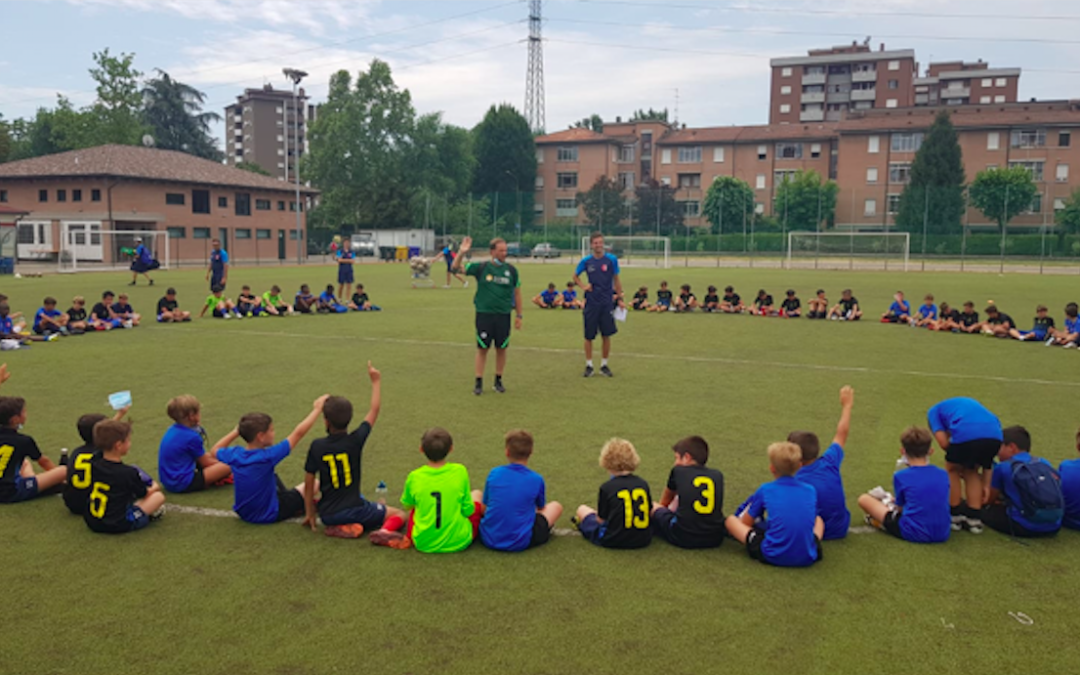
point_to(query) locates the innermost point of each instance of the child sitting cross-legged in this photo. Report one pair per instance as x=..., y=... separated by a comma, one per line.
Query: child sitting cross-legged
x=690, y=512
x=818, y=306
x=548, y=298
x=570, y=299
x=122, y=499
x=328, y=302
x=77, y=487
x=517, y=514
x=184, y=464
x=791, y=306
x=361, y=302
x=926, y=316
x=663, y=299
x=622, y=515
x=687, y=301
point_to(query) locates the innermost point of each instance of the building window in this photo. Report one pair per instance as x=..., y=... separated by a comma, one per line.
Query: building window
x=689, y=180
x=539, y=155
x=223, y=202
x=788, y=151
x=993, y=140
x=893, y=204
x=43, y=195
x=177, y=232
x=1036, y=204
x=200, y=233
x=760, y=181
x=871, y=175
x=999, y=99
x=665, y=180
x=200, y=201
x=1000, y=82
x=566, y=181
x=988, y=82
x=95, y=195
x=1059, y=204
x=281, y=205
x=61, y=195
x=762, y=152
x=890, y=103
x=759, y=208
x=785, y=90
x=894, y=65
x=785, y=108
x=780, y=176
x=76, y=195
x=785, y=72
x=262, y=234
x=870, y=209
x=242, y=233
x=873, y=145
x=174, y=199
x=539, y=182
x=1035, y=168
x=626, y=180
x=626, y=154
x=894, y=84
x=1029, y=138
x=3, y=195
x=565, y=208
x=262, y=204
x=691, y=155
x=567, y=153
x=718, y=154
x=1062, y=174
x=900, y=173
x=907, y=142
x=691, y=209
x=538, y=207
x=242, y=203
x=984, y=99
x=1064, y=138
x=293, y=235
x=665, y=156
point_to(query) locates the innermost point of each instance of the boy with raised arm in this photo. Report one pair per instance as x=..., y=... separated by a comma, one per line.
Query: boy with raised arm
x=517, y=514
x=899, y=311
x=823, y=472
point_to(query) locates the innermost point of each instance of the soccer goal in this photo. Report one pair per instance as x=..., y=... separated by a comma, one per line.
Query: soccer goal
x=86, y=247
x=888, y=248
x=643, y=251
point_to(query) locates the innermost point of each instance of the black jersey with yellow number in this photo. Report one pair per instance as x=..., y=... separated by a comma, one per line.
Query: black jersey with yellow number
x=114, y=488
x=712, y=299
x=336, y=459
x=766, y=301
x=625, y=506
x=663, y=296
x=791, y=304
x=1044, y=323
x=849, y=304
x=14, y=449
x=77, y=487
x=701, y=499
x=732, y=299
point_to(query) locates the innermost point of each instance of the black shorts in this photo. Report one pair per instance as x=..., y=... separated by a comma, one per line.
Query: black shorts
x=599, y=319
x=996, y=517
x=371, y=515
x=492, y=330
x=290, y=502
x=974, y=454
x=198, y=481
x=892, y=524
x=757, y=537
x=541, y=531
x=666, y=526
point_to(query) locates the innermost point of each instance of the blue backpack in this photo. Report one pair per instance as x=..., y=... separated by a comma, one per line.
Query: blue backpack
x=1039, y=487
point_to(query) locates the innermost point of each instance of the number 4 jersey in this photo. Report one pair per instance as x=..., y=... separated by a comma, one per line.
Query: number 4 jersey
x=625, y=506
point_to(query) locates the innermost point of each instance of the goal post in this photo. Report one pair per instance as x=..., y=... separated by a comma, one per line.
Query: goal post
x=634, y=250
x=888, y=247
x=85, y=247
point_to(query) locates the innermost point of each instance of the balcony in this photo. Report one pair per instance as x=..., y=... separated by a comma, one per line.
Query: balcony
x=812, y=116
x=813, y=97
x=956, y=92
x=812, y=78
x=864, y=76
x=863, y=94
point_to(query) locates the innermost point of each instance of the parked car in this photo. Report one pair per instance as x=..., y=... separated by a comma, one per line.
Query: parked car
x=514, y=250
x=545, y=250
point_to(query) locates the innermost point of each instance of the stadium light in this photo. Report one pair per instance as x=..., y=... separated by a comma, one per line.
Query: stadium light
x=296, y=76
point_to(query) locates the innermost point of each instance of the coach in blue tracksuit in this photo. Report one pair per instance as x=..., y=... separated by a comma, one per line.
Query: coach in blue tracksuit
x=602, y=293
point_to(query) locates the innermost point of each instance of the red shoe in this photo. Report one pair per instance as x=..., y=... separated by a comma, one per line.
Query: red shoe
x=227, y=480
x=349, y=531
x=390, y=538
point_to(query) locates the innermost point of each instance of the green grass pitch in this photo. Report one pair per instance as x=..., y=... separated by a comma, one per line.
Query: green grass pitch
x=195, y=594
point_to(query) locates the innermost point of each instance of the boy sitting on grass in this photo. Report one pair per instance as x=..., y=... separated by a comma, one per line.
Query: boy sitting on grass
x=274, y=304
x=763, y=304
x=168, y=309
x=969, y=319
x=49, y=320
x=77, y=482
x=823, y=472
x=446, y=513
x=260, y=496
x=687, y=301
x=328, y=302
x=1026, y=498
x=1069, y=471
x=220, y=307
x=818, y=307
x=847, y=309
x=1040, y=331
x=690, y=512
x=623, y=509
x=247, y=303
x=791, y=537
x=570, y=298
x=791, y=307
x=1068, y=336
x=18, y=482
x=361, y=302
x=711, y=302
x=663, y=299
x=334, y=463
x=640, y=302
x=899, y=311
x=77, y=316
x=927, y=314
x=121, y=500
x=548, y=298
x=306, y=302
x=920, y=511
x=517, y=514
x=125, y=312
x=183, y=462
x=998, y=323
x=8, y=331
x=732, y=303
x=948, y=319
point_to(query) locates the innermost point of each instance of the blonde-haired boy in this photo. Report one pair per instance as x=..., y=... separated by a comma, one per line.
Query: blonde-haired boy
x=184, y=465
x=623, y=516
x=791, y=537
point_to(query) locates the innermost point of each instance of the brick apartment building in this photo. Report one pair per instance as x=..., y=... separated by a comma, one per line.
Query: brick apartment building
x=268, y=128
x=76, y=195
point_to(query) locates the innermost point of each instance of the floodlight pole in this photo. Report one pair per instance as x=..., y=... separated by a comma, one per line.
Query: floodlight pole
x=296, y=76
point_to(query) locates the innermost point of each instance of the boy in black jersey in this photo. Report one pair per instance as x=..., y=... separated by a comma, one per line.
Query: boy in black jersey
x=77, y=487
x=998, y=323
x=663, y=299
x=969, y=319
x=17, y=480
x=360, y=301
x=732, y=303
x=687, y=301
x=102, y=317
x=621, y=518
x=690, y=512
x=791, y=306
x=711, y=303
x=168, y=309
x=120, y=500
x=818, y=307
x=641, y=299
x=77, y=316
x=763, y=304
x=847, y=309
x=334, y=464
x=249, y=304
x=1040, y=331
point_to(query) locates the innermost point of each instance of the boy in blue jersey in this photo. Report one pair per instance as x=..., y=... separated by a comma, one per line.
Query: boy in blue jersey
x=517, y=515
x=920, y=511
x=9, y=331
x=49, y=320
x=449, y=255
x=899, y=311
x=602, y=294
x=548, y=298
x=328, y=302
x=1025, y=491
x=1069, y=335
x=142, y=262
x=791, y=535
x=823, y=472
x=1040, y=330
x=970, y=435
x=345, y=260
x=621, y=518
x=1070, y=489
x=260, y=496
x=218, y=271
x=184, y=464
x=926, y=316
x=570, y=298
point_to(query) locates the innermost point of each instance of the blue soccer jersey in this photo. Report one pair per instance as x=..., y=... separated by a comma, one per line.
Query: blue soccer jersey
x=218, y=260
x=898, y=308
x=41, y=313
x=1072, y=325
x=548, y=296
x=327, y=297
x=512, y=494
x=180, y=449
x=601, y=272
x=7, y=327
x=1070, y=488
x=824, y=475
x=1002, y=480
x=255, y=484
x=569, y=296
x=928, y=311
x=923, y=493
x=965, y=419
x=791, y=508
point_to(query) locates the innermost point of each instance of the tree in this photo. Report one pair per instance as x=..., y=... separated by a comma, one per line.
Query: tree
x=728, y=202
x=5, y=140
x=594, y=122
x=117, y=112
x=935, y=195
x=1069, y=217
x=173, y=112
x=804, y=201
x=650, y=115
x=604, y=205
x=655, y=209
x=505, y=159
x=253, y=168
x=1003, y=193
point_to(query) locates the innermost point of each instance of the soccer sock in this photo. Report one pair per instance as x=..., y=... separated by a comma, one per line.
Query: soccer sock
x=394, y=523
x=588, y=363
x=479, y=382
x=498, y=379
x=603, y=363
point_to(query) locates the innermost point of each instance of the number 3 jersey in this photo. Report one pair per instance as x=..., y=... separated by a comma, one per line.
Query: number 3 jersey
x=114, y=487
x=701, y=500
x=625, y=506
x=336, y=460
x=14, y=449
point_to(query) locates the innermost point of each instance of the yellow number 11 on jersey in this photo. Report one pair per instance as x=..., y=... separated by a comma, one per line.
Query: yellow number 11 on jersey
x=331, y=462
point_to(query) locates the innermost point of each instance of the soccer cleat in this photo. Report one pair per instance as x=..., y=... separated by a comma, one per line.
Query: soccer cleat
x=478, y=389
x=958, y=523
x=52, y=337
x=466, y=285
x=390, y=539
x=588, y=371
x=157, y=515
x=1071, y=345
x=128, y=324
x=973, y=525
x=132, y=283
x=606, y=372
x=1049, y=341
x=499, y=387
x=151, y=282
x=348, y=531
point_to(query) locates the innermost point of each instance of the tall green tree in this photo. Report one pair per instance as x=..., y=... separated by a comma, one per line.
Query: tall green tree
x=603, y=204
x=1003, y=193
x=173, y=112
x=805, y=202
x=117, y=112
x=6, y=141
x=655, y=209
x=729, y=203
x=252, y=167
x=594, y=122
x=1069, y=217
x=505, y=160
x=650, y=115
x=935, y=193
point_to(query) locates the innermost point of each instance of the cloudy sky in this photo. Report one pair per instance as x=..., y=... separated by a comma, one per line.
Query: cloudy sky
x=460, y=56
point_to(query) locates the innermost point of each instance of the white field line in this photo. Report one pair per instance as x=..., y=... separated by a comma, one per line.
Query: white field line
x=667, y=357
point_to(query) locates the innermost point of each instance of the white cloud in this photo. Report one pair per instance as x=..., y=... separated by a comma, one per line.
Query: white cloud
x=314, y=15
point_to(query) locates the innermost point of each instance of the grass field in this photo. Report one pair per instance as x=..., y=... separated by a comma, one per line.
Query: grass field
x=195, y=594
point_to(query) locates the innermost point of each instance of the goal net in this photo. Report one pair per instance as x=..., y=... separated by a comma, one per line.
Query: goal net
x=636, y=251
x=86, y=247
x=864, y=249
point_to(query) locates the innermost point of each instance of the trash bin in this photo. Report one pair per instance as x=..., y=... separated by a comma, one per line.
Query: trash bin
x=402, y=253
x=7, y=265
x=414, y=252
x=387, y=253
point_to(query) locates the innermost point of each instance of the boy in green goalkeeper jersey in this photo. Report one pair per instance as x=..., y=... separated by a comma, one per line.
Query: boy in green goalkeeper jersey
x=274, y=304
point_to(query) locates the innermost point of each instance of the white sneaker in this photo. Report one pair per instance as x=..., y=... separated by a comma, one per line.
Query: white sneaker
x=128, y=324
x=239, y=316
x=1049, y=341
x=226, y=316
x=1071, y=345
x=466, y=285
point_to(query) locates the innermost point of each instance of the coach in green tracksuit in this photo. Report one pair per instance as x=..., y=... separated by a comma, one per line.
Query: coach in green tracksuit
x=498, y=293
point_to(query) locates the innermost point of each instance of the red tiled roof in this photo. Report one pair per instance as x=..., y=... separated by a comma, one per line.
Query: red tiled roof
x=967, y=117
x=138, y=163
x=576, y=135
x=750, y=134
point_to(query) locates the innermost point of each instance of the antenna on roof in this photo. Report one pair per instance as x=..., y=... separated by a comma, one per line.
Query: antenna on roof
x=148, y=140
x=676, y=124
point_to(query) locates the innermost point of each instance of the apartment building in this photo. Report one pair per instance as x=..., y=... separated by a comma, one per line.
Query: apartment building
x=956, y=83
x=268, y=127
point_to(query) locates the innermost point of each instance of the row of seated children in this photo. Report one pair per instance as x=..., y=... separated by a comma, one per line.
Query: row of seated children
x=271, y=303
x=731, y=303
x=551, y=298
x=112, y=312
